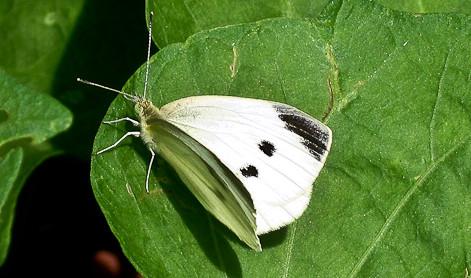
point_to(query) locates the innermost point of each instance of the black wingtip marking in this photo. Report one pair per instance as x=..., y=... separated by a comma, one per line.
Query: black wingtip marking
x=315, y=139
x=267, y=148
x=249, y=171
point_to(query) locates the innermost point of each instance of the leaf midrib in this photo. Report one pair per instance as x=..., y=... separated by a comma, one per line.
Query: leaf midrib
x=402, y=203
x=423, y=176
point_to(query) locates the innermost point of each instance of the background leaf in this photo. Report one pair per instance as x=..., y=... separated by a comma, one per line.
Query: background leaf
x=34, y=39
x=429, y=6
x=175, y=21
x=394, y=196
x=45, y=45
x=27, y=120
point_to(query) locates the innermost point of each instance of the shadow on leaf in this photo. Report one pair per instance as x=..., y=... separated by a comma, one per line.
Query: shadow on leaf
x=210, y=234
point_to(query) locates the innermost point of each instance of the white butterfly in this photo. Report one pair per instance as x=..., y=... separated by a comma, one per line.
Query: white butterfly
x=251, y=163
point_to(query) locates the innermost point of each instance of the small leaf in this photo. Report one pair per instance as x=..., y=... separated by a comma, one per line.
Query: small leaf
x=394, y=198
x=27, y=120
x=9, y=170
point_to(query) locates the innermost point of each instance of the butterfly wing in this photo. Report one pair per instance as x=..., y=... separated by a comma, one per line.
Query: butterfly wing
x=210, y=181
x=273, y=149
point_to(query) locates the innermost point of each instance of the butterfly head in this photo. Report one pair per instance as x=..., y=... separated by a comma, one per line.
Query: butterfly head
x=145, y=109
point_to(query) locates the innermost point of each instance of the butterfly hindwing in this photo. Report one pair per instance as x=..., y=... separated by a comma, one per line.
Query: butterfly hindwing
x=215, y=187
x=273, y=149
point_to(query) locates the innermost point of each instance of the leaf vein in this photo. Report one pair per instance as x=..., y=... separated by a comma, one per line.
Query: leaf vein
x=405, y=199
x=332, y=79
x=343, y=102
x=278, y=75
x=185, y=3
x=236, y=46
x=434, y=111
x=290, y=251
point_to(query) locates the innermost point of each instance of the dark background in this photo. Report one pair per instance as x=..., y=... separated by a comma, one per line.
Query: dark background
x=58, y=228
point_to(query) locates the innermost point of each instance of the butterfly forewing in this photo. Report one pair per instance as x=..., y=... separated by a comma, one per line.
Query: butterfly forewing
x=273, y=149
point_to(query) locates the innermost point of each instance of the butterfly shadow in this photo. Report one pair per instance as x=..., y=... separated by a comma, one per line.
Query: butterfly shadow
x=274, y=238
x=211, y=235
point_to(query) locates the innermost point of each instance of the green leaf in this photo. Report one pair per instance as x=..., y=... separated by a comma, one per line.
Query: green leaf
x=394, y=198
x=175, y=21
x=47, y=44
x=429, y=6
x=34, y=38
x=9, y=170
x=27, y=120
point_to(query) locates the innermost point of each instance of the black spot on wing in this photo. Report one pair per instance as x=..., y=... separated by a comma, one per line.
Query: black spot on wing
x=267, y=147
x=315, y=139
x=249, y=171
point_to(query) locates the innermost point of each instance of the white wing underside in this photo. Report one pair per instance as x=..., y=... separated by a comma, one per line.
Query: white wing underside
x=254, y=143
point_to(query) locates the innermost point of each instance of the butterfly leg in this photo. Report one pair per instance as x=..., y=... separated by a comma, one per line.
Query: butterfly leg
x=134, y=122
x=148, y=170
x=130, y=133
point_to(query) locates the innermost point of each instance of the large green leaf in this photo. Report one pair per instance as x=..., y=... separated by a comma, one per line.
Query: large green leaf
x=429, y=6
x=394, y=198
x=27, y=120
x=34, y=37
x=175, y=21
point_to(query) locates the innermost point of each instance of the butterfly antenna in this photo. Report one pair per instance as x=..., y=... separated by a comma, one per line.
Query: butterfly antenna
x=126, y=95
x=151, y=16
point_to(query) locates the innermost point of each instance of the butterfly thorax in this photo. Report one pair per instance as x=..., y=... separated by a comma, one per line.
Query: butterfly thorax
x=148, y=113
